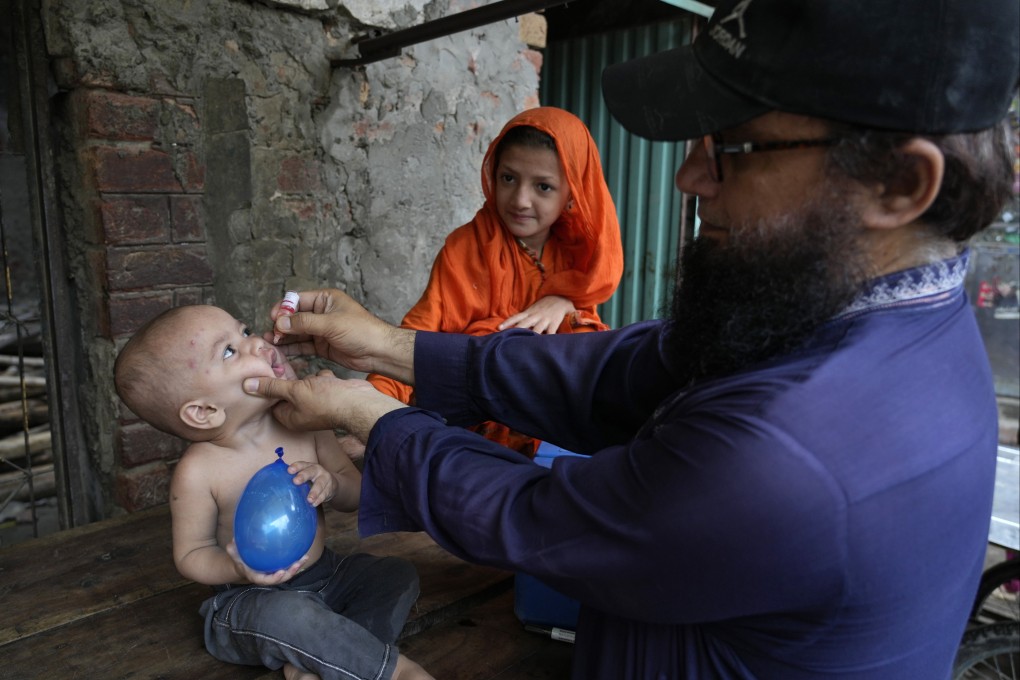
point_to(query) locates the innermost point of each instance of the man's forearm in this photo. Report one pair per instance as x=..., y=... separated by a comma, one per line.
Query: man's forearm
x=360, y=409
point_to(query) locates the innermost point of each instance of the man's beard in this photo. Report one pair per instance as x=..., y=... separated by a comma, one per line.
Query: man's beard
x=765, y=291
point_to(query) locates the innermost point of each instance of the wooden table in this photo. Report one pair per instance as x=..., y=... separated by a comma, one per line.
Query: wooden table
x=105, y=601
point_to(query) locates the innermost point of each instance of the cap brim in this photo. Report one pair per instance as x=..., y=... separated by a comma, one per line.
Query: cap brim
x=667, y=96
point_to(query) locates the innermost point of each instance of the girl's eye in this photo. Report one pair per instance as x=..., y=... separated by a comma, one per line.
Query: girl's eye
x=506, y=179
x=245, y=331
x=545, y=188
x=229, y=351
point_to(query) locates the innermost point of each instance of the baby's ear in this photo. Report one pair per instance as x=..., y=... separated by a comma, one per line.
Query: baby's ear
x=202, y=415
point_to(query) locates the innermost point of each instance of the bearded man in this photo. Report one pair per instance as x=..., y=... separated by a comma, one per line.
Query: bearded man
x=792, y=477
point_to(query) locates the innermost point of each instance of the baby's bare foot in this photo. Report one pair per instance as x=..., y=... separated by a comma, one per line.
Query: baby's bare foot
x=294, y=673
x=409, y=670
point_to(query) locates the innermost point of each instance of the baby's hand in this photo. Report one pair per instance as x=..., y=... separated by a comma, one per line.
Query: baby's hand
x=261, y=578
x=323, y=483
x=545, y=316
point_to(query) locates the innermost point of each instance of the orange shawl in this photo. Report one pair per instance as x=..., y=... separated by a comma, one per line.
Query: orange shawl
x=482, y=276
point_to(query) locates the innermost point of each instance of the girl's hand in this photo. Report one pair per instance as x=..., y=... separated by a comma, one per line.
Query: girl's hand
x=545, y=316
x=261, y=578
x=323, y=483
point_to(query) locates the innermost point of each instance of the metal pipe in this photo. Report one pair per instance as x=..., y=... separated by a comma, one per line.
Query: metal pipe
x=375, y=46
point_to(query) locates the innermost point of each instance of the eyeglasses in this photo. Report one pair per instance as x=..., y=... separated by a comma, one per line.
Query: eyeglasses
x=715, y=148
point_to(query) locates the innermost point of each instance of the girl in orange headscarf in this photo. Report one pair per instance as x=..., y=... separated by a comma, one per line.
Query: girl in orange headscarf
x=541, y=253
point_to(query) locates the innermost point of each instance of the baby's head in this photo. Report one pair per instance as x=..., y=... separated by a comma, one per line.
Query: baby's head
x=182, y=371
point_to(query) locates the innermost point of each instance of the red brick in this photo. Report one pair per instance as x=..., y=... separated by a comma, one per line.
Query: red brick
x=299, y=176
x=140, y=443
x=116, y=116
x=139, y=269
x=188, y=219
x=194, y=173
x=136, y=219
x=535, y=57
x=128, y=314
x=123, y=170
x=142, y=487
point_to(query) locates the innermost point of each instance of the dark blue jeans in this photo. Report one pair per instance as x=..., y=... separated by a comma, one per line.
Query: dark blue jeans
x=337, y=619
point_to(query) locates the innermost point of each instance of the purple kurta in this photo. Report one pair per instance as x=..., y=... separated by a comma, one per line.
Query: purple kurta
x=823, y=514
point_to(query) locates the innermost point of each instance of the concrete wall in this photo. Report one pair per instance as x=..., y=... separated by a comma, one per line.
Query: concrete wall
x=211, y=152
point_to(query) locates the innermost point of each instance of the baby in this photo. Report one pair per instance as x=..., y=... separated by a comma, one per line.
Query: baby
x=325, y=615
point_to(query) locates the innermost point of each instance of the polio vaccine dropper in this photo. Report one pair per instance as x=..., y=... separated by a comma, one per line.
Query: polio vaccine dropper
x=274, y=524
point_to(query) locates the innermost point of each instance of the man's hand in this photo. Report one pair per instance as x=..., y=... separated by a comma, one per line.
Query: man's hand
x=545, y=316
x=330, y=324
x=325, y=402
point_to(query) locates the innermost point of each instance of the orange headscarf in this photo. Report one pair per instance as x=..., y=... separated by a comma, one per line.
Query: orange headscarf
x=585, y=239
x=482, y=276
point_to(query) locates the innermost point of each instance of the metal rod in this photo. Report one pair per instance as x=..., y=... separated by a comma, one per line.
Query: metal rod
x=375, y=47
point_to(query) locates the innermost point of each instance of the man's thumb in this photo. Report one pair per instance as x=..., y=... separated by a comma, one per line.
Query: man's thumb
x=263, y=387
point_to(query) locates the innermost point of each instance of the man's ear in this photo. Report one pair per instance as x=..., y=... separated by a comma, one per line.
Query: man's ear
x=202, y=415
x=911, y=192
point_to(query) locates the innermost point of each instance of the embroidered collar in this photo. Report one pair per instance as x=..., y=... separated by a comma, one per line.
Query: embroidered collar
x=928, y=284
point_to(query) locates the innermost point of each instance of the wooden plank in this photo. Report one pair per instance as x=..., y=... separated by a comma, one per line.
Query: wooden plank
x=488, y=643
x=63, y=577
x=159, y=637
x=106, y=600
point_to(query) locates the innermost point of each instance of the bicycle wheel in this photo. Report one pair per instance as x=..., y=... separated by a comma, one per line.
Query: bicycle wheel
x=994, y=603
x=989, y=652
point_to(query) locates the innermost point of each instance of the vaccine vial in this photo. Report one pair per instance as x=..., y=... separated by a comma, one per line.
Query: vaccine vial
x=288, y=306
x=290, y=302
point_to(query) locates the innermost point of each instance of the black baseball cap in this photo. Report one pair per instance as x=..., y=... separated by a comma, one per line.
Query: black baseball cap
x=918, y=66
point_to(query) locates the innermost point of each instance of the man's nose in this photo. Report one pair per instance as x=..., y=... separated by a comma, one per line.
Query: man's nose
x=693, y=177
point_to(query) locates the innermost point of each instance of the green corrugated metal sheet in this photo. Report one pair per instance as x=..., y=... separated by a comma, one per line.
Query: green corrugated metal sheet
x=639, y=173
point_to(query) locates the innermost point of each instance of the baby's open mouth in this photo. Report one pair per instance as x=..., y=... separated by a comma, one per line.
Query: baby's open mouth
x=277, y=362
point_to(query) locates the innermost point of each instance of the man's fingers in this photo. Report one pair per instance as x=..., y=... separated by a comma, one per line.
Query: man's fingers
x=271, y=388
x=305, y=323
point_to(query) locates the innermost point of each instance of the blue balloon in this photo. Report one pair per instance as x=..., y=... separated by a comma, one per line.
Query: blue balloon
x=274, y=524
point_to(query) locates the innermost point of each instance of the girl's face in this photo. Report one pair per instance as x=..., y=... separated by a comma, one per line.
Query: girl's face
x=531, y=192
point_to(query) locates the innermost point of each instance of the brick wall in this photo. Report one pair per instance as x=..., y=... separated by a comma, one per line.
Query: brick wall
x=147, y=245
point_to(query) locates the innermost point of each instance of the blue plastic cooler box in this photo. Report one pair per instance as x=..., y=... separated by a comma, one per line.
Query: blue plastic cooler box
x=535, y=603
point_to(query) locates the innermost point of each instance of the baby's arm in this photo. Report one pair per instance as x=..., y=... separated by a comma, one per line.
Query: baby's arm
x=333, y=477
x=545, y=316
x=194, y=517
